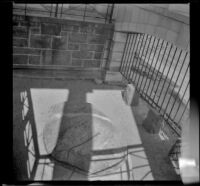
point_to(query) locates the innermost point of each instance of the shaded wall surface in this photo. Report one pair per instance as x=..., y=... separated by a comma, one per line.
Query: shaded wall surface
x=48, y=41
x=164, y=22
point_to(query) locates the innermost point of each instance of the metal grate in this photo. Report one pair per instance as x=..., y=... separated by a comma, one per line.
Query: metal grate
x=84, y=12
x=160, y=72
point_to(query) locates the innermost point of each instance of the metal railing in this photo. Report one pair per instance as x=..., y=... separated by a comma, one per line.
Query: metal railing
x=84, y=12
x=160, y=72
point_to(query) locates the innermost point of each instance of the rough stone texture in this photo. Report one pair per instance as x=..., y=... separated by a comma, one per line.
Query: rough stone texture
x=88, y=28
x=72, y=46
x=20, y=32
x=96, y=39
x=59, y=43
x=51, y=38
x=35, y=60
x=77, y=62
x=82, y=54
x=20, y=59
x=77, y=38
x=92, y=63
x=40, y=41
x=92, y=47
x=97, y=55
x=152, y=122
x=17, y=50
x=61, y=57
x=70, y=27
x=35, y=30
x=46, y=57
x=50, y=29
x=19, y=42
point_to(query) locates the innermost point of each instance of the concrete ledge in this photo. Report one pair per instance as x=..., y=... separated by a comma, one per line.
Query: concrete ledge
x=57, y=74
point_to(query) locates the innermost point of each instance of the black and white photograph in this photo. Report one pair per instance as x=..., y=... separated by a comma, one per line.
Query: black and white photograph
x=101, y=92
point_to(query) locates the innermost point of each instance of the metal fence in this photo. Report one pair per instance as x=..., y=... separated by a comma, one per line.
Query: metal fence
x=160, y=72
x=84, y=12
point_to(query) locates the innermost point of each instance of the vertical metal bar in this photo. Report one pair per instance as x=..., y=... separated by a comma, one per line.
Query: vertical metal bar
x=155, y=68
x=111, y=14
x=56, y=12
x=144, y=61
x=129, y=56
x=167, y=73
x=51, y=9
x=184, y=109
x=84, y=12
x=171, y=81
x=61, y=11
x=106, y=14
x=130, y=67
x=125, y=47
x=25, y=8
x=125, y=57
x=150, y=66
x=141, y=60
x=134, y=52
x=177, y=81
x=138, y=61
x=128, y=61
x=181, y=101
x=166, y=79
x=162, y=71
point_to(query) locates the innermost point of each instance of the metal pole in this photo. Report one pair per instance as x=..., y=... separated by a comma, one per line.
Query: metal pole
x=56, y=10
x=111, y=14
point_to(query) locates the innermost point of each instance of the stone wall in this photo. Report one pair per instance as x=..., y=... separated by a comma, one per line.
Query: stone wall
x=45, y=41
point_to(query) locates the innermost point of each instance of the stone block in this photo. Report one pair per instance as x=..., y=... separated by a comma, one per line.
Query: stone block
x=18, y=50
x=70, y=27
x=20, y=42
x=40, y=41
x=73, y=46
x=130, y=95
x=61, y=57
x=77, y=62
x=50, y=29
x=152, y=122
x=92, y=47
x=92, y=63
x=77, y=38
x=46, y=57
x=82, y=54
x=20, y=32
x=96, y=39
x=35, y=30
x=20, y=59
x=35, y=60
x=59, y=43
x=88, y=28
x=97, y=55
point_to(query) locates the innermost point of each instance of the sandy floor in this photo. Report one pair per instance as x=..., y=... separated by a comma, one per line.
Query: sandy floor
x=146, y=154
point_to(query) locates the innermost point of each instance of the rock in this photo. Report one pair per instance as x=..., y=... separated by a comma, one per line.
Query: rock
x=152, y=122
